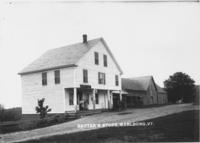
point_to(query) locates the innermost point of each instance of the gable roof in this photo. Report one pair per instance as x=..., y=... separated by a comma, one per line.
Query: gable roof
x=160, y=90
x=137, y=83
x=63, y=57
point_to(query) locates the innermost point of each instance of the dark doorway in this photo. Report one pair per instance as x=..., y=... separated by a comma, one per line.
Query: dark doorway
x=80, y=99
x=116, y=100
x=83, y=99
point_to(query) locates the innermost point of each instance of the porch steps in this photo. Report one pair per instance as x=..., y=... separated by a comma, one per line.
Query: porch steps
x=71, y=114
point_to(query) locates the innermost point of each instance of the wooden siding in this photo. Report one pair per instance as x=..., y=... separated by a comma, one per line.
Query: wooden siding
x=151, y=94
x=162, y=98
x=55, y=94
x=87, y=62
x=32, y=90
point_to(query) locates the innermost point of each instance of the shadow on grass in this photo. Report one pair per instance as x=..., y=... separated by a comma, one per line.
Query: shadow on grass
x=180, y=127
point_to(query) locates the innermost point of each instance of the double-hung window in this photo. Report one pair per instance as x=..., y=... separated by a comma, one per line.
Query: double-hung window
x=96, y=58
x=116, y=80
x=57, y=76
x=44, y=78
x=101, y=78
x=85, y=76
x=105, y=62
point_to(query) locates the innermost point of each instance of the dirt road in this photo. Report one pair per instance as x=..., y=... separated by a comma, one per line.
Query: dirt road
x=129, y=115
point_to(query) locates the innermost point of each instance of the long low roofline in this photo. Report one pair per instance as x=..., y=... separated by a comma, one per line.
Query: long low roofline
x=53, y=68
x=118, y=92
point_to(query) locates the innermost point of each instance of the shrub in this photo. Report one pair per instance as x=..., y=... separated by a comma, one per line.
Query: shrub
x=55, y=119
x=41, y=109
x=51, y=120
x=42, y=123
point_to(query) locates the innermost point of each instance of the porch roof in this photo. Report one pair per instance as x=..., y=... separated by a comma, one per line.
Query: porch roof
x=118, y=92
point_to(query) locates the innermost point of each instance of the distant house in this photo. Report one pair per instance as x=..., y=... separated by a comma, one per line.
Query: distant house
x=81, y=76
x=142, y=91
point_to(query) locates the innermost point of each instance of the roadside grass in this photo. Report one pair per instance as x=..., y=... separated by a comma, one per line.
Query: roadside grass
x=179, y=127
x=34, y=122
x=138, y=107
x=153, y=105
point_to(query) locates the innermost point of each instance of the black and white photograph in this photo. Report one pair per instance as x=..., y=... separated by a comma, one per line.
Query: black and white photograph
x=99, y=71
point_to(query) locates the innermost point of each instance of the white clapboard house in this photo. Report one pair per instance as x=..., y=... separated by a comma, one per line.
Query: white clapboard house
x=82, y=76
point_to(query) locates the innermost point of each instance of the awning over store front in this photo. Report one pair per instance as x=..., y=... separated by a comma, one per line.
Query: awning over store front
x=118, y=92
x=85, y=88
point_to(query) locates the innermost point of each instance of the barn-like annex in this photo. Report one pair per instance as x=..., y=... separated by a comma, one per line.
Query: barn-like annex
x=143, y=91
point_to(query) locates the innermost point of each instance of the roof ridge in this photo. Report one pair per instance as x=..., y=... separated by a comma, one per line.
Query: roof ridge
x=65, y=46
x=149, y=76
x=63, y=56
x=141, y=83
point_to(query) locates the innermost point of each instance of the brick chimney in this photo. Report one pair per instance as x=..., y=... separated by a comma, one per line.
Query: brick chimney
x=84, y=38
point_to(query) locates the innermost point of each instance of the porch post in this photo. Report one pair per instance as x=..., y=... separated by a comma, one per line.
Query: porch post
x=94, y=99
x=111, y=98
x=108, y=95
x=75, y=98
x=120, y=95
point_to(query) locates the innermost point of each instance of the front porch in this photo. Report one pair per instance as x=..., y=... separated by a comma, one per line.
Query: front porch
x=86, y=98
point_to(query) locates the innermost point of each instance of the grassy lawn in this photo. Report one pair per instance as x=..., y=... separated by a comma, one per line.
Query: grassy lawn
x=34, y=122
x=180, y=127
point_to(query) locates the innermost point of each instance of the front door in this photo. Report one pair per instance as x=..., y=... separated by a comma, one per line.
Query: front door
x=80, y=100
x=116, y=100
x=83, y=98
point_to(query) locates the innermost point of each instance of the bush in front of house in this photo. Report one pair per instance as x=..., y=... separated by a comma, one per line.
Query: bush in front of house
x=41, y=109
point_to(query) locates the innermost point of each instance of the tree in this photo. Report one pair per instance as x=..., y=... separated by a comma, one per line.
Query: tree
x=1, y=112
x=1, y=107
x=41, y=109
x=180, y=86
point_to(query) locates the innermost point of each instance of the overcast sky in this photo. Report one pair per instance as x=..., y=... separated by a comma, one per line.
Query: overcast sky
x=146, y=38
